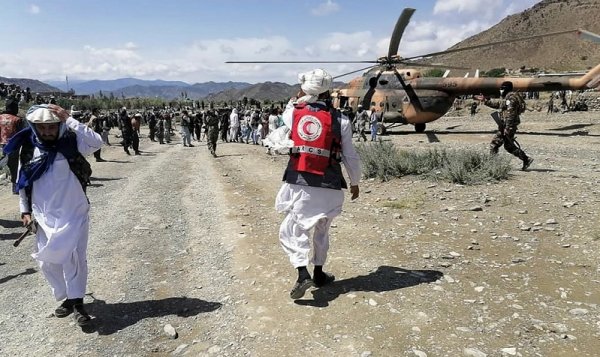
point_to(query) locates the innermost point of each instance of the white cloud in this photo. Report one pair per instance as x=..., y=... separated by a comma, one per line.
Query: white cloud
x=467, y=6
x=34, y=9
x=326, y=8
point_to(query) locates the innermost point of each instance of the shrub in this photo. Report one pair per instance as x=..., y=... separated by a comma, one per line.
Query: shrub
x=464, y=166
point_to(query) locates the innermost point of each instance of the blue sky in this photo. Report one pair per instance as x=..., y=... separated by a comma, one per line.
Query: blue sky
x=190, y=40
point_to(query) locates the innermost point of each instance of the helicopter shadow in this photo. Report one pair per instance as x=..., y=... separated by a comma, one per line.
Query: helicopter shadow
x=112, y=318
x=572, y=127
x=492, y=132
x=27, y=271
x=231, y=155
x=385, y=278
x=431, y=137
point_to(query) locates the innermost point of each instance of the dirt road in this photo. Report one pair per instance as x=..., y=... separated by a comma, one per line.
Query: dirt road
x=423, y=268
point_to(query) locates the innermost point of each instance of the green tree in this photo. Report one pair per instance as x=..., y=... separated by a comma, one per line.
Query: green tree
x=435, y=72
x=496, y=72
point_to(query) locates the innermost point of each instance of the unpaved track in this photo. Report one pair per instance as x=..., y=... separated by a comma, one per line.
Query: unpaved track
x=418, y=271
x=156, y=256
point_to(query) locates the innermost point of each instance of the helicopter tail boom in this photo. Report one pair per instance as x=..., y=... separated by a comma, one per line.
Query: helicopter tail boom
x=487, y=85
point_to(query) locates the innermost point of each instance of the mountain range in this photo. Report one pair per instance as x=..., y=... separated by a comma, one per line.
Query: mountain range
x=557, y=53
x=33, y=84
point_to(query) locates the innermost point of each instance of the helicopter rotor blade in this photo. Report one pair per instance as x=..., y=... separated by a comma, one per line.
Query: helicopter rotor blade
x=412, y=95
x=358, y=70
x=492, y=44
x=432, y=65
x=256, y=62
x=401, y=24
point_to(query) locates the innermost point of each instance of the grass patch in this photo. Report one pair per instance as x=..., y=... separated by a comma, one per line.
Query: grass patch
x=464, y=166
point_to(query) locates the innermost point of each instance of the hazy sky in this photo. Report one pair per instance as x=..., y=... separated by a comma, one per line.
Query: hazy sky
x=190, y=40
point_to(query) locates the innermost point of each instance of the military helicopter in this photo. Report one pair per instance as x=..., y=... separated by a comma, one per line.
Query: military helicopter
x=404, y=96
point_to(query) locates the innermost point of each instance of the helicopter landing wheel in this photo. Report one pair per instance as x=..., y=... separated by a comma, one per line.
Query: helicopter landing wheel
x=420, y=127
x=381, y=129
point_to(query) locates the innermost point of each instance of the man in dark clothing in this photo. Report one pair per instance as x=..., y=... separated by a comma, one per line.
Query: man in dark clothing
x=198, y=126
x=126, y=130
x=152, y=125
x=224, y=128
x=212, y=134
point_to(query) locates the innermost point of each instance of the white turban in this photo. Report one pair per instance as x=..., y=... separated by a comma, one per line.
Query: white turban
x=315, y=82
x=41, y=114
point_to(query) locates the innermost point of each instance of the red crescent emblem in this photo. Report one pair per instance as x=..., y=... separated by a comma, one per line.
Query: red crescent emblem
x=307, y=128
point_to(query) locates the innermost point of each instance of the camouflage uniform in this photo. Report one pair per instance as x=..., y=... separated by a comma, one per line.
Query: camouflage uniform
x=362, y=117
x=212, y=123
x=510, y=108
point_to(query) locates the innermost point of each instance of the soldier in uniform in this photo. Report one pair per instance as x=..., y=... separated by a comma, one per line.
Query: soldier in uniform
x=212, y=125
x=362, y=117
x=511, y=106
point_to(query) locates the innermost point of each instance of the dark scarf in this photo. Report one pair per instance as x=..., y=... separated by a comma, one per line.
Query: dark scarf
x=34, y=169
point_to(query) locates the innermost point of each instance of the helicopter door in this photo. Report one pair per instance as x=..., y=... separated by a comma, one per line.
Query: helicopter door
x=348, y=102
x=343, y=102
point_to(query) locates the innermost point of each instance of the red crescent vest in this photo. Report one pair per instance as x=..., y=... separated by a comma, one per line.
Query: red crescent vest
x=314, y=142
x=8, y=127
x=316, y=154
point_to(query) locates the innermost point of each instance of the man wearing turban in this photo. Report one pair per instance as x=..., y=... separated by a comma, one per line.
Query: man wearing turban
x=51, y=187
x=311, y=195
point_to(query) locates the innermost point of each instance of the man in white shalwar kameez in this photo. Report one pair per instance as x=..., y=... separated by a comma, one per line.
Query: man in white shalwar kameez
x=234, y=125
x=312, y=195
x=50, y=190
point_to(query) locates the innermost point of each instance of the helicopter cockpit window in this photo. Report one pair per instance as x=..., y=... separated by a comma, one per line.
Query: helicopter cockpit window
x=383, y=81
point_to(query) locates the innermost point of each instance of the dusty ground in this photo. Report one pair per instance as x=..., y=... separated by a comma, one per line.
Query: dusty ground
x=423, y=268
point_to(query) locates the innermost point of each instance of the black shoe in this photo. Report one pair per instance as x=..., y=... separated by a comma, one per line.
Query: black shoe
x=214, y=155
x=300, y=288
x=65, y=309
x=137, y=153
x=80, y=316
x=323, y=279
x=191, y=145
x=127, y=151
x=527, y=163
